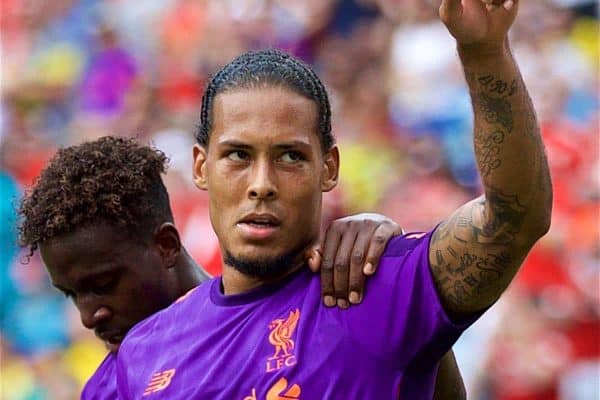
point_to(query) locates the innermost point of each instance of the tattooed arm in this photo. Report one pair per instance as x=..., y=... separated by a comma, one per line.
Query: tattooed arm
x=476, y=252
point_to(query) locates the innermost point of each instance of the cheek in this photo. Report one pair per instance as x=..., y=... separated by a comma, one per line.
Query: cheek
x=225, y=185
x=305, y=195
x=304, y=186
x=146, y=277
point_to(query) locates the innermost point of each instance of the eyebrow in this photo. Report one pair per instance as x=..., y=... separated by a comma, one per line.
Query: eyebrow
x=293, y=144
x=87, y=280
x=234, y=143
x=285, y=145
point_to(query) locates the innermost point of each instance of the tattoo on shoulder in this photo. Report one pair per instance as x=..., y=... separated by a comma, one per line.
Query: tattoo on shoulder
x=473, y=274
x=462, y=268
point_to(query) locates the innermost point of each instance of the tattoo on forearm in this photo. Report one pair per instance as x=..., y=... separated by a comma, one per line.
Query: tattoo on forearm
x=475, y=224
x=495, y=110
x=504, y=220
x=491, y=101
x=498, y=86
x=476, y=252
x=488, y=149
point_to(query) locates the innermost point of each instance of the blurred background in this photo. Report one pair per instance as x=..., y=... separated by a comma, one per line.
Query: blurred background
x=76, y=70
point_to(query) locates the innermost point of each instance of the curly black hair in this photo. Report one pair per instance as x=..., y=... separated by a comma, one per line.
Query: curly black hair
x=267, y=67
x=110, y=180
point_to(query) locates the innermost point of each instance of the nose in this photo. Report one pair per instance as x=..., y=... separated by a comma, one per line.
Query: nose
x=93, y=314
x=262, y=185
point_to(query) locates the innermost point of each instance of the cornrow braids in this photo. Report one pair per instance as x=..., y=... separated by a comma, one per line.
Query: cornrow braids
x=267, y=67
x=110, y=180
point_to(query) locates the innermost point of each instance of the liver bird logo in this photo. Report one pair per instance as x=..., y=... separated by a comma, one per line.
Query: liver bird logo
x=281, y=334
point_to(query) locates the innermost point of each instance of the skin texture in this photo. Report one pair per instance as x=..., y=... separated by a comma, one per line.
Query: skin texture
x=476, y=252
x=449, y=384
x=115, y=281
x=264, y=157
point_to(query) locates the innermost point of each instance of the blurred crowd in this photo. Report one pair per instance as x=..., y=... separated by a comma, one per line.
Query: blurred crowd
x=76, y=70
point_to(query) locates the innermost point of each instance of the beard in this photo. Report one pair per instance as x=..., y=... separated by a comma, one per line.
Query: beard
x=266, y=268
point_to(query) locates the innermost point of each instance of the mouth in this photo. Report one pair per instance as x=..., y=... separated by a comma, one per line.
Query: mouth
x=112, y=340
x=259, y=226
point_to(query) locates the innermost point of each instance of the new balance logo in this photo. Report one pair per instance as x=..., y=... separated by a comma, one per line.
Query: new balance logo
x=159, y=381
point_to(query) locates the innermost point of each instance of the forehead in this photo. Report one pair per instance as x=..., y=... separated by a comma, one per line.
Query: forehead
x=266, y=113
x=85, y=252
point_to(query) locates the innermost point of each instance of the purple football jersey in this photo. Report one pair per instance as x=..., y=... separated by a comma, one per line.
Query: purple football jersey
x=279, y=342
x=103, y=384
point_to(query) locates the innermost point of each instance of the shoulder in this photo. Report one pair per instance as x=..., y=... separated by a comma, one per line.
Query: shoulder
x=406, y=244
x=106, y=368
x=103, y=383
x=174, y=315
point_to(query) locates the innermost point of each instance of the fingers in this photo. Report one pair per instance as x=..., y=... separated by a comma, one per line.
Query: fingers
x=341, y=266
x=313, y=257
x=330, y=246
x=450, y=10
x=381, y=236
x=508, y=5
x=356, y=280
x=351, y=250
x=492, y=5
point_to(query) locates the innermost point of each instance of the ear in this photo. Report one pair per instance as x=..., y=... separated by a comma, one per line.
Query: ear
x=200, y=156
x=331, y=169
x=166, y=240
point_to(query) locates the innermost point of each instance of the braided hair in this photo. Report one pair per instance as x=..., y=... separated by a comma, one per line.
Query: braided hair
x=267, y=67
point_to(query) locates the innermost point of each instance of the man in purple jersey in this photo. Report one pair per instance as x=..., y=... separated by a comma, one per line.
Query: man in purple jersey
x=111, y=247
x=265, y=154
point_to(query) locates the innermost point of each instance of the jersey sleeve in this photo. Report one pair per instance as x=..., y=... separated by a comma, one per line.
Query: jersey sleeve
x=401, y=317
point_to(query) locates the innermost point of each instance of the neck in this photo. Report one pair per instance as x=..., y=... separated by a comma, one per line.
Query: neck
x=236, y=282
x=189, y=273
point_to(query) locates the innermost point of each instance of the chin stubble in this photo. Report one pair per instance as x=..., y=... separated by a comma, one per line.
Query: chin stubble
x=265, y=267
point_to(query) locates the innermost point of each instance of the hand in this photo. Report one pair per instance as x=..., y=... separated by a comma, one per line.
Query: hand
x=350, y=251
x=481, y=23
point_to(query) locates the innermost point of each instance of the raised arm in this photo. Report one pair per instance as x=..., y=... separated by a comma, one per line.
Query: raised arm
x=476, y=252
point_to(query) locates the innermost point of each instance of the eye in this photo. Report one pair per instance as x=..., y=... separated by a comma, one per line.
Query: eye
x=291, y=157
x=237, y=155
x=104, y=285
